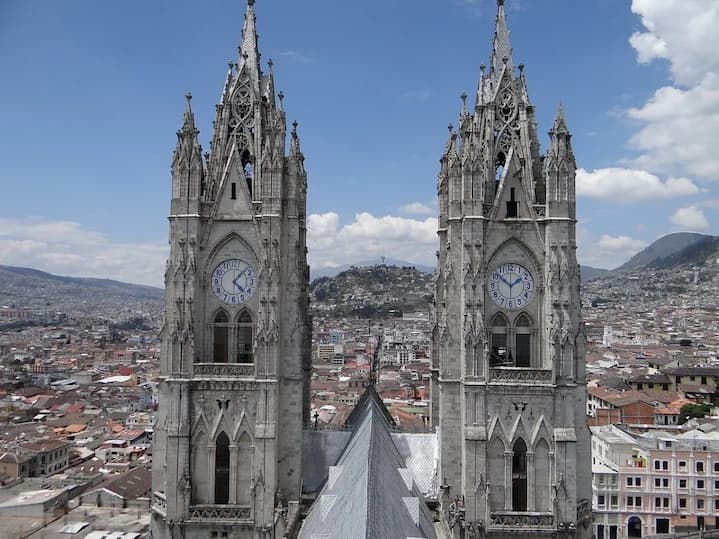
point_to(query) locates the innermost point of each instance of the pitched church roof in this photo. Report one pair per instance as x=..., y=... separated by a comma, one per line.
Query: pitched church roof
x=370, y=493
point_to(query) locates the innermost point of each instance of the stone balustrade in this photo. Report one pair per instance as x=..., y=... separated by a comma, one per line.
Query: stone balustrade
x=219, y=512
x=223, y=370
x=511, y=519
x=520, y=374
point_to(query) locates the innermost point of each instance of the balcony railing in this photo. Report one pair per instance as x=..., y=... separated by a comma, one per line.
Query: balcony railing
x=520, y=374
x=220, y=512
x=224, y=370
x=511, y=519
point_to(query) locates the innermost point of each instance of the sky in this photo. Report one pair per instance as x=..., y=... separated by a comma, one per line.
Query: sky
x=92, y=93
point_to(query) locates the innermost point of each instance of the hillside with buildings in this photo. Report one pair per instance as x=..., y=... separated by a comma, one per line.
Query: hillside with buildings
x=375, y=291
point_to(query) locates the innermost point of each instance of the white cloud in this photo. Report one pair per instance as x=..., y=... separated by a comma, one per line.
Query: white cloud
x=416, y=208
x=681, y=122
x=66, y=248
x=368, y=236
x=690, y=218
x=608, y=251
x=630, y=185
x=682, y=32
x=623, y=244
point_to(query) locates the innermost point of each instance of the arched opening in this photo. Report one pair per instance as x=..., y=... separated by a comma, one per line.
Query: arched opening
x=634, y=527
x=523, y=341
x=500, y=354
x=247, y=169
x=519, y=476
x=222, y=469
x=499, y=164
x=243, y=337
x=221, y=336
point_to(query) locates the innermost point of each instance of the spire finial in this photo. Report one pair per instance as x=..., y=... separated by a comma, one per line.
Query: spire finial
x=294, y=127
x=500, y=3
x=251, y=3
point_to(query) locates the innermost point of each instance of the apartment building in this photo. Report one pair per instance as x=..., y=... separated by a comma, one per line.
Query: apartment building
x=654, y=483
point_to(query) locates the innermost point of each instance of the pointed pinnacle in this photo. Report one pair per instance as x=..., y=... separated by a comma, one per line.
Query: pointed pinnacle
x=250, y=3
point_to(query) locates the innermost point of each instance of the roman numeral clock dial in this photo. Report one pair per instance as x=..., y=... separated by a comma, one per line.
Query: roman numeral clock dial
x=233, y=281
x=511, y=286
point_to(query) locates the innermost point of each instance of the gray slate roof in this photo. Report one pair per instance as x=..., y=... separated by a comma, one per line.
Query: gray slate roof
x=370, y=493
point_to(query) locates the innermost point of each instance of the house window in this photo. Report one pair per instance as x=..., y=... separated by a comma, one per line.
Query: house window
x=700, y=466
x=657, y=482
x=716, y=466
x=600, y=500
x=682, y=503
x=657, y=502
x=519, y=476
x=630, y=501
x=657, y=465
x=700, y=484
x=614, y=500
x=665, y=503
x=700, y=504
x=638, y=501
x=222, y=469
x=637, y=481
x=682, y=464
x=665, y=465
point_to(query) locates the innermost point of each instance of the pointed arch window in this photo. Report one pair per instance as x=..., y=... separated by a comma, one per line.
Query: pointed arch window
x=244, y=331
x=519, y=476
x=247, y=169
x=222, y=469
x=523, y=341
x=221, y=337
x=500, y=354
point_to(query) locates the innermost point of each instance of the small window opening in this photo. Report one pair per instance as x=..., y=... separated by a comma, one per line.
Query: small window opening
x=499, y=354
x=500, y=162
x=519, y=476
x=247, y=169
x=512, y=204
x=244, y=338
x=221, y=337
x=222, y=469
x=233, y=195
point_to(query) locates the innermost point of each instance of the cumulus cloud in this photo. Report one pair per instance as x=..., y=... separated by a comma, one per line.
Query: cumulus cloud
x=416, y=208
x=620, y=243
x=679, y=122
x=368, y=236
x=608, y=251
x=630, y=185
x=682, y=32
x=690, y=218
x=66, y=248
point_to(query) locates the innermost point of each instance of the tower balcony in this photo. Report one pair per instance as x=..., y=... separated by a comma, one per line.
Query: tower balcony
x=216, y=513
x=159, y=503
x=224, y=370
x=513, y=520
x=524, y=375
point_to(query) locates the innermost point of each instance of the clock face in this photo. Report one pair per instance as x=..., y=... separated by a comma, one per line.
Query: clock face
x=234, y=281
x=511, y=286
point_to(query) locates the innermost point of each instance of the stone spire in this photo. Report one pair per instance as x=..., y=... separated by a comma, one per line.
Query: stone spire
x=501, y=48
x=188, y=152
x=249, y=58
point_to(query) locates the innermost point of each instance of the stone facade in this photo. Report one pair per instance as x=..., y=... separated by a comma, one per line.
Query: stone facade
x=509, y=388
x=235, y=358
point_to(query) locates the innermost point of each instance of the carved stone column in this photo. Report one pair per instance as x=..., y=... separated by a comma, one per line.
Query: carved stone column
x=530, y=481
x=211, y=471
x=508, y=480
x=233, y=474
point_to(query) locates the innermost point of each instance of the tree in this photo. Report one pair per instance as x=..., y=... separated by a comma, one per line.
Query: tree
x=689, y=411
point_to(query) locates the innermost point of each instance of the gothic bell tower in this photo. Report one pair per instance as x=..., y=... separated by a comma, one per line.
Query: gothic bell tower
x=509, y=386
x=234, y=374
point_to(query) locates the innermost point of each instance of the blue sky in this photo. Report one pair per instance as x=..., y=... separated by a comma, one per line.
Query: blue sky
x=92, y=94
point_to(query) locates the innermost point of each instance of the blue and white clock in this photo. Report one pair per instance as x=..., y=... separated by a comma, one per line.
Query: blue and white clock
x=511, y=286
x=234, y=281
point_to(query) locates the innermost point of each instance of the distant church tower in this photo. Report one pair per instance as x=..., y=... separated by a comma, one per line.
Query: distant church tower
x=235, y=345
x=509, y=386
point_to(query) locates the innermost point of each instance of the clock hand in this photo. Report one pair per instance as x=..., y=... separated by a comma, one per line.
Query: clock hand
x=505, y=281
x=519, y=280
x=236, y=278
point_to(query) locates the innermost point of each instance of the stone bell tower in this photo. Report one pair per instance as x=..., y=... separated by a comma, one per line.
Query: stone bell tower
x=509, y=385
x=235, y=345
